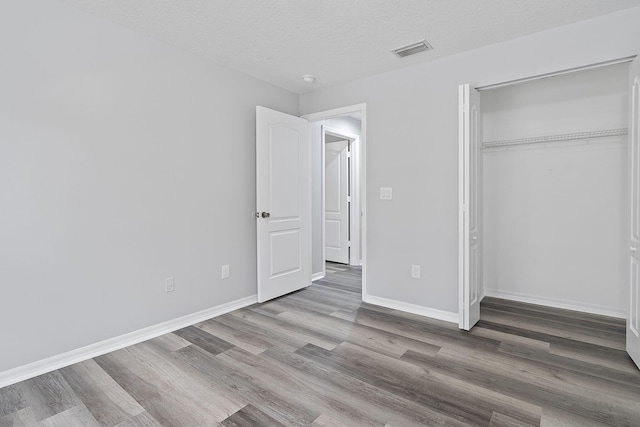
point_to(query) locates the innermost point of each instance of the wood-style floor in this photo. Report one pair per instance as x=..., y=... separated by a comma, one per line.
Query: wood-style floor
x=320, y=357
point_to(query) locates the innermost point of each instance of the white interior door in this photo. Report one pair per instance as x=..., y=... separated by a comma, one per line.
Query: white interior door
x=336, y=192
x=283, y=196
x=470, y=207
x=633, y=317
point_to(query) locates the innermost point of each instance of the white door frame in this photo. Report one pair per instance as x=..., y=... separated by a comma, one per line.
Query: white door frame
x=354, y=190
x=360, y=170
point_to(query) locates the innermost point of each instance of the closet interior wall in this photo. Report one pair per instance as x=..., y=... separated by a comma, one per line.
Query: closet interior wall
x=555, y=213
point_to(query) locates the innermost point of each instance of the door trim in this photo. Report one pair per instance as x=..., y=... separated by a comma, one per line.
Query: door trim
x=360, y=171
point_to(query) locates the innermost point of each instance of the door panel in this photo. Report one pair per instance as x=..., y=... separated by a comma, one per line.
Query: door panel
x=633, y=317
x=470, y=207
x=333, y=236
x=283, y=197
x=285, y=253
x=337, y=201
x=284, y=176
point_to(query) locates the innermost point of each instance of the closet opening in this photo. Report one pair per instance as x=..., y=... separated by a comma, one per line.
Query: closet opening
x=555, y=197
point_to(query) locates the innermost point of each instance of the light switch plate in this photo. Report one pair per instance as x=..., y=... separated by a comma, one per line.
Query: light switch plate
x=386, y=193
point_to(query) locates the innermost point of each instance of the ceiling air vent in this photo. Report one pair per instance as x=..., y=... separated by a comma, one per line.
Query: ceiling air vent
x=412, y=49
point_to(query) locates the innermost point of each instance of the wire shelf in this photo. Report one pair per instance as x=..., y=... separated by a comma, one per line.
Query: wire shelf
x=556, y=138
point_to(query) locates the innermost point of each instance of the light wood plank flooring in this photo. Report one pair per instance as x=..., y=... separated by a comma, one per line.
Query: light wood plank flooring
x=320, y=357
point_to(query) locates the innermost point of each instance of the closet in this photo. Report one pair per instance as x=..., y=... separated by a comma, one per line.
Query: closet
x=555, y=197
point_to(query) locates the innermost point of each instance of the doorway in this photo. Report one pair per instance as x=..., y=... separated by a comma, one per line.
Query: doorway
x=347, y=124
x=339, y=188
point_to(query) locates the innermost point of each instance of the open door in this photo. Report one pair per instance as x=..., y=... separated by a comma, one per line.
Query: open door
x=633, y=317
x=283, y=197
x=336, y=205
x=470, y=206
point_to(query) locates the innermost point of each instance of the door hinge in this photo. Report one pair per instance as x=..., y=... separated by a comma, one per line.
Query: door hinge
x=348, y=154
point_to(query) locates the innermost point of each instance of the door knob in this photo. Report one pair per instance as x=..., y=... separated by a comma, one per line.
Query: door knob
x=266, y=214
x=632, y=249
x=475, y=237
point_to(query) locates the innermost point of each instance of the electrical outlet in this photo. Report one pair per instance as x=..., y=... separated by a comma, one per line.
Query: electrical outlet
x=415, y=271
x=225, y=271
x=169, y=284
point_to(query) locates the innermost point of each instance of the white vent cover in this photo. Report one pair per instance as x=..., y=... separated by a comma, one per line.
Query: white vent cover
x=412, y=49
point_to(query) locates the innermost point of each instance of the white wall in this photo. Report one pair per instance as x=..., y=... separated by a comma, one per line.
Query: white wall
x=345, y=124
x=122, y=161
x=412, y=146
x=555, y=214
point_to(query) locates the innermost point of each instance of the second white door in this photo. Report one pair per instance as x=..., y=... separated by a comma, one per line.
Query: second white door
x=337, y=201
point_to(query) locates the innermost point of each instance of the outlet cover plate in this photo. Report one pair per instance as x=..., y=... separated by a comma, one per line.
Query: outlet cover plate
x=415, y=271
x=169, y=284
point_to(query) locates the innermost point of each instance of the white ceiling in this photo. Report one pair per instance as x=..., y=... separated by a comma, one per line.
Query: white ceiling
x=337, y=40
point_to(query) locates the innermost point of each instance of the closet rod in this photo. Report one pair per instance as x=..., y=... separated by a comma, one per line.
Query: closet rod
x=556, y=73
x=556, y=138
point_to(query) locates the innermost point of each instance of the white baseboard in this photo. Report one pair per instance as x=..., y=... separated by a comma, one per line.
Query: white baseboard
x=412, y=308
x=556, y=303
x=317, y=276
x=49, y=364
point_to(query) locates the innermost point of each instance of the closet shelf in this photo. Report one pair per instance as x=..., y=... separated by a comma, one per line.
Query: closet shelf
x=556, y=138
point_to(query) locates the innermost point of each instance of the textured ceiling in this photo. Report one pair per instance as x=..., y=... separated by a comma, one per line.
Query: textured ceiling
x=336, y=40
